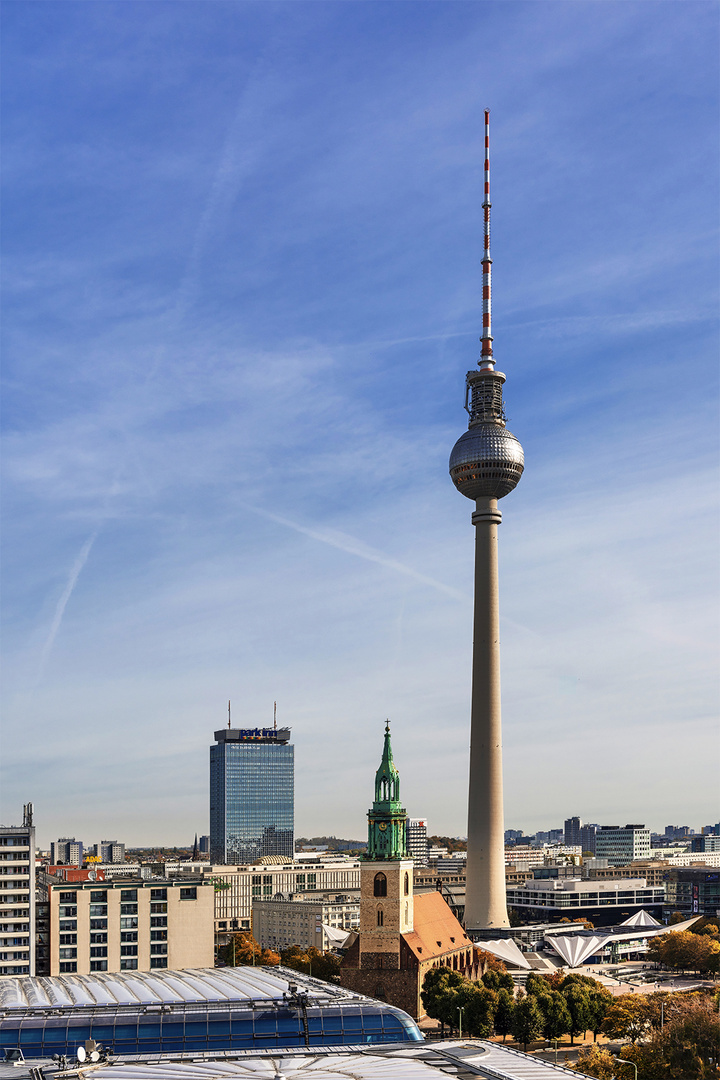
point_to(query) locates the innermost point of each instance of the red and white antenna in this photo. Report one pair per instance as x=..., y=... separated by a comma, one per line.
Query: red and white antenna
x=486, y=362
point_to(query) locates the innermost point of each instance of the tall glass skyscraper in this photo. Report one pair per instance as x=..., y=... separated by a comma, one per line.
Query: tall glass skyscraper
x=252, y=794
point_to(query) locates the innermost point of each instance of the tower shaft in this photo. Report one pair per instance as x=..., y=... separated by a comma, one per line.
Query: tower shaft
x=485, y=905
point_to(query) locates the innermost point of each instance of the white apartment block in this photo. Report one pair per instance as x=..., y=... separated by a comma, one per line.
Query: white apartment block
x=622, y=845
x=17, y=897
x=301, y=920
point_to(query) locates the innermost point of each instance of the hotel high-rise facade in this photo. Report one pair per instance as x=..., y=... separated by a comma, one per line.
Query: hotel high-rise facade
x=252, y=794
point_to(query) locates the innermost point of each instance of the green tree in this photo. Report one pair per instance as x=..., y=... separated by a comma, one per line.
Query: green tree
x=527, y=1021
x=439, y=993
x=504, y=1013
x=480, y=1005
x=577, y=1000
x=600, y=999
x=498, y=980
x=555, y=1014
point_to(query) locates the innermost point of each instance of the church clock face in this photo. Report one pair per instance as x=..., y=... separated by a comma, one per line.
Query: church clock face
x=382, y=825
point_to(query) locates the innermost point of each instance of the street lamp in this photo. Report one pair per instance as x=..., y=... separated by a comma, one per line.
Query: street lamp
x=461, y=1010
x=624, y=1061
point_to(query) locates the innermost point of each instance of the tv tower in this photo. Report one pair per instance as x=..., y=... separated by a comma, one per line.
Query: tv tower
x=485, y=465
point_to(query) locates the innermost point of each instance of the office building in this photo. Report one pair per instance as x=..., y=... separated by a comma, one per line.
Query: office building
x=123, y=925
x=603, y=903
x=588, y=838
x=417, y=841
x=323, y=921
x=572, y=831
x=17, y=897
x=621, y=845
x=485, y=465
x=252, y=799
x=204, y=846
x=693, y=891
x=66, y=851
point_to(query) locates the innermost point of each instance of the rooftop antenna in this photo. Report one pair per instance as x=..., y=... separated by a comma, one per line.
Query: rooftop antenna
x=274, y=715
x=487, y=361
x=228, y=715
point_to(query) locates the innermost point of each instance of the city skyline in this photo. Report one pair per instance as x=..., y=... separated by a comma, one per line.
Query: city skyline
x=243, y=287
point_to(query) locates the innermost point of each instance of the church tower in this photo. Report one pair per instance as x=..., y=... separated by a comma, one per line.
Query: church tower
x=386, y=878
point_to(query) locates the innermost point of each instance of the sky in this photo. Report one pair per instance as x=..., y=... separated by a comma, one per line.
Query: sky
x=241, y=292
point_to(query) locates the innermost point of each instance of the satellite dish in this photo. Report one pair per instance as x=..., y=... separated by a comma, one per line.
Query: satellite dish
x=94, y=1056
x=81, y=1053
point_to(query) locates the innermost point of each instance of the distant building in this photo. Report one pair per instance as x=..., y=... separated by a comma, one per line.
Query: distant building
x=323, y=922
x=67, y=850
x=17, y=897
x=417, y=841
x=707, y=842
x=128, y=925
x=693, y=891
x=109, y=851
x=204, y=845
x=573, y=830
x=603, y=903
x=622, y=845
x=252, y=797
x=588, y=838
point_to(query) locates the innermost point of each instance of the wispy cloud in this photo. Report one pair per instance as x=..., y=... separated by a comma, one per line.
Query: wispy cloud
x=64, y=599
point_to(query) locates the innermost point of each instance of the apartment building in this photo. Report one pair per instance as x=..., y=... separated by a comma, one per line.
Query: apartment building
x=17, y=897
x=305, y=921
x=137, y=925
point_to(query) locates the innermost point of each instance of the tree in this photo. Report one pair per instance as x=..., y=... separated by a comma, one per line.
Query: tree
x=527, y=1021
x=690, y=1042
x=479, y=1004
x=686, y=951
x=577, y=1000
x=243, y=949
x=556, y=1017
x=311, y=961
x=440, y=987
x=596, y=1062
x=629, y=1017
x=600, y=999
x=504, y=1011
x=498, y=980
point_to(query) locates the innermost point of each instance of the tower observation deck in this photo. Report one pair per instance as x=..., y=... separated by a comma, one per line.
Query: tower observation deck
x=486, y=464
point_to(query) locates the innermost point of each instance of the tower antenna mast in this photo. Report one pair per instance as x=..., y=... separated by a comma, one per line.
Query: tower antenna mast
x=487, y=362
x=228, y=715
x=274, y=715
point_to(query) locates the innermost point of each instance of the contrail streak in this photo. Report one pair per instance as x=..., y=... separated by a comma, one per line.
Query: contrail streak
x=65, y=597
x=355, y=547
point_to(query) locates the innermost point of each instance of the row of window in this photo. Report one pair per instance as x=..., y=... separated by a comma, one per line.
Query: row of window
x=127, y=963
x=129, y=896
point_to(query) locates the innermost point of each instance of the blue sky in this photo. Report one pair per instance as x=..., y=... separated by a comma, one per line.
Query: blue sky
x=241, y=292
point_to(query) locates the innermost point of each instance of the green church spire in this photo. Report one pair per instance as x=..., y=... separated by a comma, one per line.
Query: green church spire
x=387, y=821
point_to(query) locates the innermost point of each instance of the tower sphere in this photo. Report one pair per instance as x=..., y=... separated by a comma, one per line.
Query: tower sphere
x=487, y=460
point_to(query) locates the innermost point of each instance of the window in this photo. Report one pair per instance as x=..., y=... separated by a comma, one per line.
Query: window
x=98, y=909
x=98, y=939
x=98, y=965
x=189, y=894
x=98, y=896
x=67, y=911
x=128, y=894
x=68, y=898
x=67, y=954
x=257, y=879
x=267, y=879
x=158, y=894
x=128, y=909
x=161, y=920
x=407, y=885
x=129, y=923
x=67, y=924
x=380, y=919
x=126, y=964
x=380, y=887
x=256, y=890
x=158, y=909
x=67, y=967
x=128, y=950
x=156, y=962
x=158, y=948
x=128, y=935
x=68, y=939
x=158, y=935
x=98, y=924
x=98, y=950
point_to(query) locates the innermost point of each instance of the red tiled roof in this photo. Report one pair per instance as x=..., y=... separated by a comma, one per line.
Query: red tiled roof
x=436, y=930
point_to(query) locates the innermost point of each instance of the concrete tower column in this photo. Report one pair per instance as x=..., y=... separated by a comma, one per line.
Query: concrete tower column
x=485, y=905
